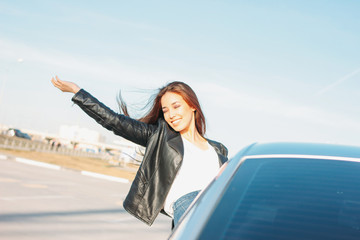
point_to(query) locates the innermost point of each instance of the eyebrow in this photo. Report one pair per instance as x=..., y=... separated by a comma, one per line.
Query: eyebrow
x=172, y=104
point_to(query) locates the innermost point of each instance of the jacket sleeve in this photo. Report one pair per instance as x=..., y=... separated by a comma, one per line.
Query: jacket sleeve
x=124, y=126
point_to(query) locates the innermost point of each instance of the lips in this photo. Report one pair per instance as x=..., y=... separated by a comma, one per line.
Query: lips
x=175, y=122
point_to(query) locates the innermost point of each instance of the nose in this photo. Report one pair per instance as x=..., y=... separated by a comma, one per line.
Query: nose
x=171, y=113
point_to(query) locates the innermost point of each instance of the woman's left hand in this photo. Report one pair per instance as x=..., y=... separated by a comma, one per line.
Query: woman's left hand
x=65, y=86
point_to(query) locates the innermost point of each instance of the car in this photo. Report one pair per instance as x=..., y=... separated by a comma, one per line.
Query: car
x=18, y=133
x=280, y=191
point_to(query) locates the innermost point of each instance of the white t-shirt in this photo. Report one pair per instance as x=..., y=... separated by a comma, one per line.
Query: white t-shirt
x=198, y=168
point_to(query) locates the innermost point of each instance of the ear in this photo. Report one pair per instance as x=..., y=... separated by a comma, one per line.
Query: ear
x=193, y=109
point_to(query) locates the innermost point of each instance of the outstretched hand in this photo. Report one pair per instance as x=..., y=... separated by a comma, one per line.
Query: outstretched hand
x=65, y=86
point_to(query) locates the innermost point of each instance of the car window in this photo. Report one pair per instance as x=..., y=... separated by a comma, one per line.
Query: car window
x=289, y=199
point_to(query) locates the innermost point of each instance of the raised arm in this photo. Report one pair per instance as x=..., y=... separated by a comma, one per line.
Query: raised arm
x=124, y=126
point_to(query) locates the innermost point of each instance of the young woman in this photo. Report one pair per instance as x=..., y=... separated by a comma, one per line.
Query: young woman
x=178, y=161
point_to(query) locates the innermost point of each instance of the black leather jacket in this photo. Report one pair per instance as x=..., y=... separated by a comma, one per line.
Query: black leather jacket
x=162, y=159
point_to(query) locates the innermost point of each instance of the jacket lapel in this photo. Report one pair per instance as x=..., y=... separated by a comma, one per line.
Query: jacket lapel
x=174, y=140
x=217, y=146
x=176, y=143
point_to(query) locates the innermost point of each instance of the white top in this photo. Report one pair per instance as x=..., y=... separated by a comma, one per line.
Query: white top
x=198, y=168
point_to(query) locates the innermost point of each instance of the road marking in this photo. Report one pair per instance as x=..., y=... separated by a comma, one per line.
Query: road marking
x=39, y=164
x=34, y=197
x=34, y=185
x=126, y=219
x=106, y=177
x=3, y=157
x=9, y=180
x=119, y=195
x=86, y=173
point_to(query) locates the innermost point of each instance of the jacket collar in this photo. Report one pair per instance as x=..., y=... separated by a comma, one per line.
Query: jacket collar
x=219, y=150
x=176, y=143
x=174, y=140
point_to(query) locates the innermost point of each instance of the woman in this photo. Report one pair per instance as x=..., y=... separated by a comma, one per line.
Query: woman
x=178, y=161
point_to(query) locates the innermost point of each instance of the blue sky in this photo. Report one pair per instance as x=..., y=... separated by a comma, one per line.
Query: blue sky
x=263, y=70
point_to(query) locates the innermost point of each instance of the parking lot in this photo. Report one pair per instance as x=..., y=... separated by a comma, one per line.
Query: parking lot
x=40, y=203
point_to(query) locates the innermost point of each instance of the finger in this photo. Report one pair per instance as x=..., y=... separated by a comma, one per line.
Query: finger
x=56, y=84
x=58, y=79
x=53, y=81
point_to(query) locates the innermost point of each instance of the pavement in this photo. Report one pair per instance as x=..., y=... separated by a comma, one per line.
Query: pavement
x=48, y=202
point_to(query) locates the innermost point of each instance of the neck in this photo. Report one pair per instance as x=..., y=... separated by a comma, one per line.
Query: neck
x=191, y=133
x=192, y=136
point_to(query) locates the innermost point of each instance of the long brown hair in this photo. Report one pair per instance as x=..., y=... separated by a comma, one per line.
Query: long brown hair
x=155, y=112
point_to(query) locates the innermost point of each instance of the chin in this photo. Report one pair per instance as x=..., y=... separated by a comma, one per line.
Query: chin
x=178, y=128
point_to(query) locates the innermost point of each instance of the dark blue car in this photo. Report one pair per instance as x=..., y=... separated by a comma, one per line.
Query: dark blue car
x=280, y=191
x=18, y=133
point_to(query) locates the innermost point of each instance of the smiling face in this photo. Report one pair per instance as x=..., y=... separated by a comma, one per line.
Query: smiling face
x=177, y=113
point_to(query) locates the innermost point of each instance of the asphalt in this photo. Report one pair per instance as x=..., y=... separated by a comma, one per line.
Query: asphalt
x=39, y=202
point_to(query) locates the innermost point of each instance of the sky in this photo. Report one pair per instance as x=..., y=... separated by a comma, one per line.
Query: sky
x=264, y=71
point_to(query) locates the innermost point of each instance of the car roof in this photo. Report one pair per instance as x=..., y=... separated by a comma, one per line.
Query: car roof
x=301, y=149
x=210, y=197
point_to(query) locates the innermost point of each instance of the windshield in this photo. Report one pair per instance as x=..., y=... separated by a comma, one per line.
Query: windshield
x=290, y=199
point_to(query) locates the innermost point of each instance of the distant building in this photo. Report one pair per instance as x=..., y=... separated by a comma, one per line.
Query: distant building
x=83, y=139
x=3, y=128
x=77, y=133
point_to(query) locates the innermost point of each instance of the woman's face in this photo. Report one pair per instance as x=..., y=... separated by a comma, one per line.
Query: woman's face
x=177, y=113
